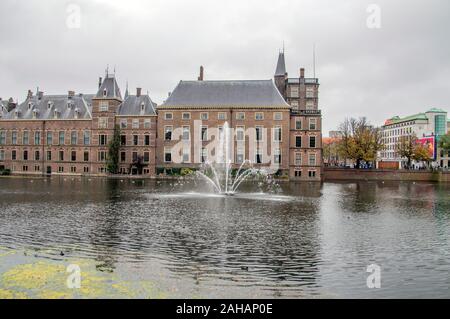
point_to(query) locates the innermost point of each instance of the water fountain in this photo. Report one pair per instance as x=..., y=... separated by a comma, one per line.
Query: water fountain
x=219, y=173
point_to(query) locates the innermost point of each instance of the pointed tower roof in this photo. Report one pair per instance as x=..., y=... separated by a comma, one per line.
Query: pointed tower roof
x=126, y=92
x=109, y=88
x=281, y=65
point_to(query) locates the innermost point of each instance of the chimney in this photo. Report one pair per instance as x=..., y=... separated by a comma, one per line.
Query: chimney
x=29, y=94
x=302, y=73
x=99, y=82
x=138, y=92
x=200, y=78
x=71, y=94
x=40, y=95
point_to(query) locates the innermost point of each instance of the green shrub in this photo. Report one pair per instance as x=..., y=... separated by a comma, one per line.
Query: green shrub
x=5, y=172
x=186, y=171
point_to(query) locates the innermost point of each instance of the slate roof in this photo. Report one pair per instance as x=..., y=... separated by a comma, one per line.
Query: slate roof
x=112, y=88
x=133, y=106
x=281, y=65
x=67, y=108
x=234, y=94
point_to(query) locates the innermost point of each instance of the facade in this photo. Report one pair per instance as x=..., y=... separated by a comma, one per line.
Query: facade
x=69, y=134
x=427, y=127
x=302, y=94
x=274, y=124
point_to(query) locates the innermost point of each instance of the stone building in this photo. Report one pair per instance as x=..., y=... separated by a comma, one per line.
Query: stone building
x=302, y=94
x=274, y=124
x=69, y=134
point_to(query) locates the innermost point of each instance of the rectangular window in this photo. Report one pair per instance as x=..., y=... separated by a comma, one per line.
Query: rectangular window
x=312, y=159
x=134, y=156
x=123, y=156
x=25, y=168
x=298, y=141
x=310, y=105
x=61, y=156
x=74, y=138
x=123, y=123
x=86, y=169
x=186, y=154
x=135, y=124
x=86, y=137
x=146, y=140
x=37, y=156
x=101, y=156
x=167, y=154
x=168, y=133
x=73, y=169
x=102, y=139
x=204, y=116
x=240, y=133
x=204, y=133
x=168, y=116
x=240, y=155
x=310, y=92
x=49, y=138
x=25, y=155
x=61, y=138
x=103, y=106
x=298, y=159
x=298, y=124
x=123, y=140
x=278, y=116
x=147, y=123
x=294, y=91
x=13, y=155
x=86, y=156
x=2, y=137
x=259, y=156
x=135, y=140
x=60, y=169
x=294, y=104
x=259, y=133
x=146, y=157
x=240, y=116
x=37, y=138
x=312, y=174
x=312, y=124
x=73, y=156
x=186, y=133
x=277, y=156
x=186, y=116
x=222, y=116
x=25, y=138
x=312, y=141
x=259, y=116
x=102, y=122
x=204, y=155
x=2, y=155
x=14, y=138
x=298, y=173
x=277, y=134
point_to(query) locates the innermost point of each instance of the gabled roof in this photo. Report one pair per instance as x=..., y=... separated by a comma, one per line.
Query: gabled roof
x=44, y=108
x=137, y=105
x=238, y=94
x=281, y=65
x=110, y=87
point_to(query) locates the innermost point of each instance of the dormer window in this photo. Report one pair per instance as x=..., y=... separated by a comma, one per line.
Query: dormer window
x=30, y=105
x=49, y=105
x=69, y=105
x=35, y=113
x=16, y=113
x=55, y=114
x=77, y=113
x=105, y=93
x=142, y=107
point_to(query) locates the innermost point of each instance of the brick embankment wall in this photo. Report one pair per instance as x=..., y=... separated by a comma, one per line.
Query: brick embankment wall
x=336, y=174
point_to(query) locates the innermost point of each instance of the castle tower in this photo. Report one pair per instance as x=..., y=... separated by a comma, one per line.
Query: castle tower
x=281, y=74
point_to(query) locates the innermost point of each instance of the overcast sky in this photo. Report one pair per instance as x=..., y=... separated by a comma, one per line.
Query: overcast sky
x=401, y=68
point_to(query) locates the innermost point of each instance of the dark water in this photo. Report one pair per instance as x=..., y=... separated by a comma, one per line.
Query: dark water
x=307, y=240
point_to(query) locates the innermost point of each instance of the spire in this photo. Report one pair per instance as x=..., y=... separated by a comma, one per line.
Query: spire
x=126, y=92
x=281, y=65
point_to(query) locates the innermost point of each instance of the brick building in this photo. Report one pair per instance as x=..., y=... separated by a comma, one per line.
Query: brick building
x=274, y=123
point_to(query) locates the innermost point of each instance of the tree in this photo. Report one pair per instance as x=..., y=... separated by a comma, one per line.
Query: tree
x=444, y=142
x=406, y=148
x=360, y=140
x=421, y=153
x=113, y=152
